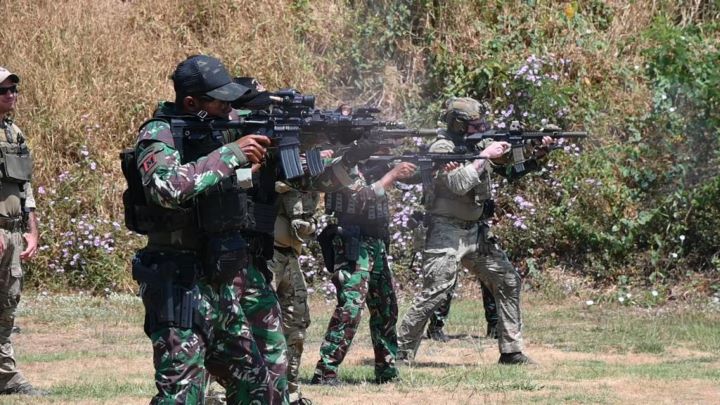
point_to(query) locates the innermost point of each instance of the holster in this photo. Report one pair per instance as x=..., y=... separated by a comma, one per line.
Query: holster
x=169, y=290
x=350, y=235
x=325, y=240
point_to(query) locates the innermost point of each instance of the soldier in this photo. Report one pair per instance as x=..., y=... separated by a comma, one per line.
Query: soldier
x=294, y=225
x=190, y=204
x=18, y=226
x=355, y=250
x=460, y=205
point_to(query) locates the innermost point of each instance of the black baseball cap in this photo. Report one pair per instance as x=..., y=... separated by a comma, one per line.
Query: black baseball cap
x=206, y=75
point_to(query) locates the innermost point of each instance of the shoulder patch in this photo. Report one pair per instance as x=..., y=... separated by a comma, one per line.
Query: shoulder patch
x=149, y=163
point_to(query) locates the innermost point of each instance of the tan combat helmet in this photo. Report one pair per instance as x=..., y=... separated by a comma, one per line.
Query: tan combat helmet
x=461, y=110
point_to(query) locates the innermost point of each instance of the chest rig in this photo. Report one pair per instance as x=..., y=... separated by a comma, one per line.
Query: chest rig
x=221, y=208
x=15, y=159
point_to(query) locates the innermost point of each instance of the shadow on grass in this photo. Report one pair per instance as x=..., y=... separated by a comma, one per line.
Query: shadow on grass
x=429, y=364
x=344, y=380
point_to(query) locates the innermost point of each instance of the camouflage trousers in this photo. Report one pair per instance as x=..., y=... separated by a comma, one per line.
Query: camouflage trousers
x=440, y=315
x=290, y=286
x=220, y=343
x=449, y=244
x=262, y=309
x=10, y=286
x=369, y=280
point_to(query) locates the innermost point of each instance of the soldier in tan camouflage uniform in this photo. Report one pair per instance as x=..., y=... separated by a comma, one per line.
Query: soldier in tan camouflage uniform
x=294, y=225
x=459, y=207
x=18, y=230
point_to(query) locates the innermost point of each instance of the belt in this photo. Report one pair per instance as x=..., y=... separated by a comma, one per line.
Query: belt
x=461, y=223
x=12, y=224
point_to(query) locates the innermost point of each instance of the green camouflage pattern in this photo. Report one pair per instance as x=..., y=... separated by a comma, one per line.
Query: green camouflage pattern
x=367, y=281
x=183, y=357
x=224, y=345
x=169, y=182
x=260, y=304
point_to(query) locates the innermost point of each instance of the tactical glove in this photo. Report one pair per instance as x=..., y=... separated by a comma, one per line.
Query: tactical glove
x=362, y=150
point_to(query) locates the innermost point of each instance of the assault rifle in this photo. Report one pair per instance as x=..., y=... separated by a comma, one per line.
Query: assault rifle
x=517, y=138
x=291, y=116
x=281, y=124
x=361, y=124
x=425, y=161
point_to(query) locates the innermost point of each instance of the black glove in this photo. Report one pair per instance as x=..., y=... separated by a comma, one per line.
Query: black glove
x=362, y=150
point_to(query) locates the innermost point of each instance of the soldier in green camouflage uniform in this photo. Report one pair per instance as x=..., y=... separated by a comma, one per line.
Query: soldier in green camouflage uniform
x=192, y=314
x=459, y=206
x=357, y=257
x=18, y=227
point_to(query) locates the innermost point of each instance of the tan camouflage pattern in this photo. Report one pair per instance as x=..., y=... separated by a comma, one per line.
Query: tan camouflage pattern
x=452, y=243
x=291, y=288
x=454, y=238
x=10, y=288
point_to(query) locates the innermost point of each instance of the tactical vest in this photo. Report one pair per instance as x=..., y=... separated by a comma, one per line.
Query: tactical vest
x=221, y=208
x=295, y=222
x=15, y=172
x=372, y=217
x=15, y=159
x=439, y=200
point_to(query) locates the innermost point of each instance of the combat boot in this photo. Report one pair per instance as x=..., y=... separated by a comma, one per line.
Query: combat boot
x=329, y=381
x=301, y=401
x=515, y=358
x=437, y=335
x=24, y=389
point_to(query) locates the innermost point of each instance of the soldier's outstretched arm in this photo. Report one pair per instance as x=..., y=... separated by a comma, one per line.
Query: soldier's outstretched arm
x=170, y=183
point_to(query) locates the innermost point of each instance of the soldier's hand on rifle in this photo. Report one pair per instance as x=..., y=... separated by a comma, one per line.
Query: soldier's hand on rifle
x=402, y=171
x=451, y=166
x=254, y=147
x=544, y=148
x=548, y=140
x=327, y=153
x=495, y=150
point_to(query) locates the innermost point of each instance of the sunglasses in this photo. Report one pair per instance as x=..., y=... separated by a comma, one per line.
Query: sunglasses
x=6, y=90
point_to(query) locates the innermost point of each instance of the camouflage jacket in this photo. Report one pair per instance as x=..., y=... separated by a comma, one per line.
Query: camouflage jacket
x=170, y=182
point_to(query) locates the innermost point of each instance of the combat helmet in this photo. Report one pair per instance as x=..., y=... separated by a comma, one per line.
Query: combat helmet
x=461, y=110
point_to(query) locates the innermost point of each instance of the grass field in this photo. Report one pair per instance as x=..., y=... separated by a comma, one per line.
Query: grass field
x=93, y=351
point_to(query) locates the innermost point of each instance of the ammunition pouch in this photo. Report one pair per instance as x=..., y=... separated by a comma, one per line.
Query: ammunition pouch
x=225, y=257
x=169, y=290
x=15, y=163
x=142, y=217
x=264, y=216
x=224, y=209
